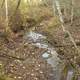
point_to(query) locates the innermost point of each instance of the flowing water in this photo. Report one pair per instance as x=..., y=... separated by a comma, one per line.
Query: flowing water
x=50, y=55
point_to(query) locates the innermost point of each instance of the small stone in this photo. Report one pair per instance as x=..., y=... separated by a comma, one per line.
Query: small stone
x=24, y=67
x=15, y=77
x=41, y=72
x=32, y=74
x=19, y=77
x=39, y=65
x=33, y=53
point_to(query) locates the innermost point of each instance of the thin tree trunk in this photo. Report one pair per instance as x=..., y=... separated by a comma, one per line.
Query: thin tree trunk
x=68, y=33
x=72, y=11
x=63, y=27
x=19, y=1
x=54, y=7
x=6, y=10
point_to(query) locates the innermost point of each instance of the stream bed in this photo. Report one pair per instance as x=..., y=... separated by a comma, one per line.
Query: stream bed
x=50, y=55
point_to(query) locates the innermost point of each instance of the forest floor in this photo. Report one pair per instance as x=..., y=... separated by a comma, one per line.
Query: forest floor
x=23, y=61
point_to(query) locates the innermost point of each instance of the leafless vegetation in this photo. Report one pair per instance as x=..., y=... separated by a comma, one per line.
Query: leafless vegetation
x=58, y=20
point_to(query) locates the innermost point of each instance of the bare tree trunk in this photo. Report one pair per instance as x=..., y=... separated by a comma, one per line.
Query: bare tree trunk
x=54, y=7
x=60, y=14
x=72, y=11
x=6, y=10
x=19, y=1
x=62, y=24
x=7, y=28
